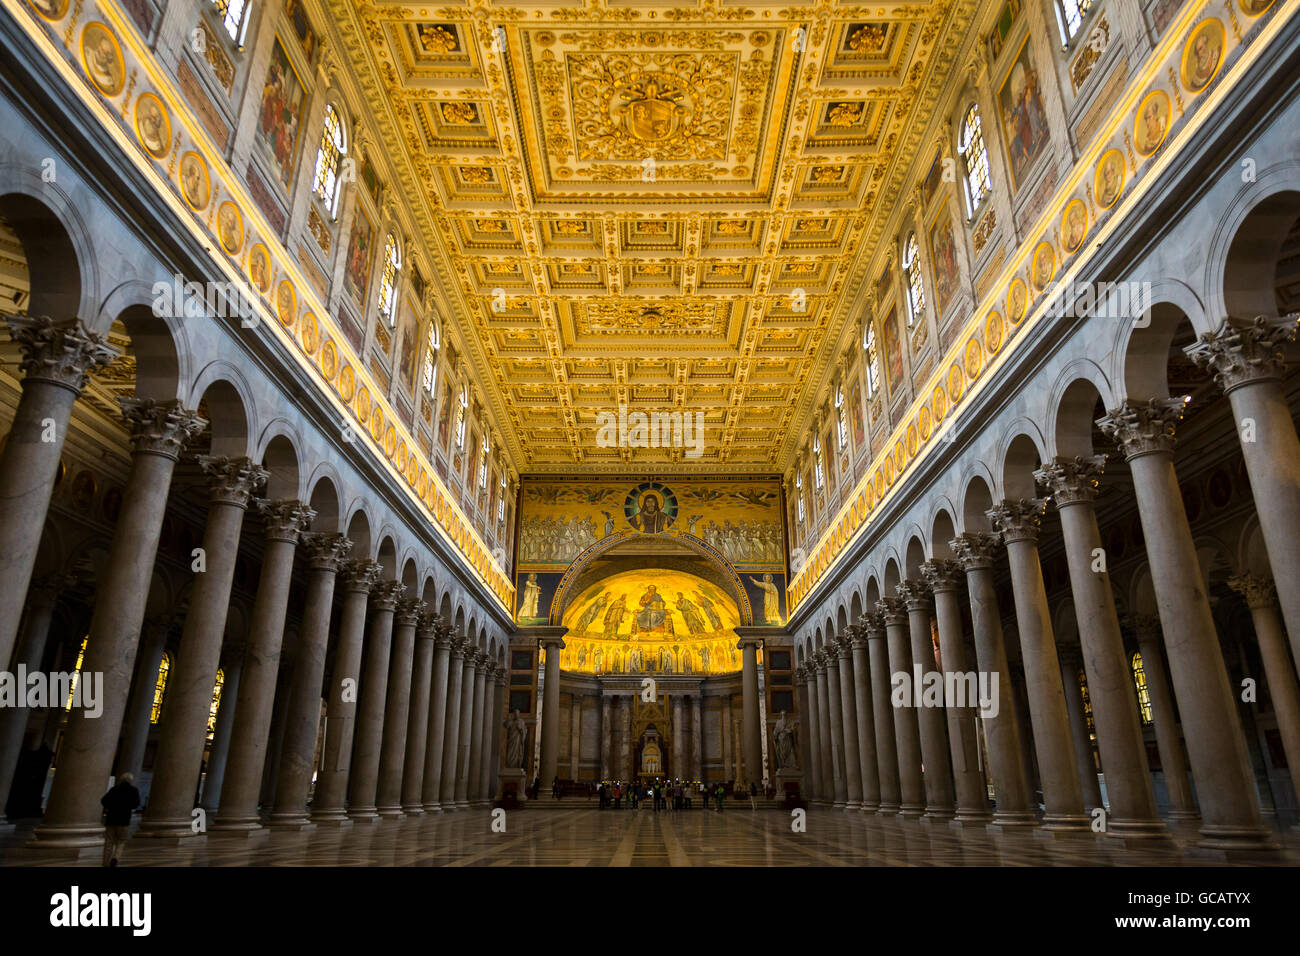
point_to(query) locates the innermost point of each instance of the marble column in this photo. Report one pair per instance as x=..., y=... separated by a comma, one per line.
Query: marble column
x=944, y=578
x=491, y=724
x=357, y=578
x=465, y=737
x=931, y=718
x=159, y=432
x=451, y=722
x=56, y=356
x=1071, y=657
x=439, y=690
x=1062, y=795
x=835, y=710
x=882, y=713
x=1225, y=782
x=135, y=730
x=43, y=598
x=232, y=481
x=863, y=719
x=397, y=708
x=551, y=648
x=849, y=721
x=813, y=731
x=907, y=733
x=750, y=731
x=417, y=719
x=1073, y=485
x=1249, y=360
x=827, y=791
x=363, y=783
x=219, y=751
x=679, y=739
x=697, y=739
x=1164, y=716
x=499, y=682
x=476, y=728
x=1282, y=688
x=625, y=768
x=325, y=554
x=606, y=737
x=284, y=522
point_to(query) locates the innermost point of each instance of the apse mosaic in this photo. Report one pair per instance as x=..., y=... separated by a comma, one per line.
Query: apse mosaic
x=741, y=520
x=651, y=621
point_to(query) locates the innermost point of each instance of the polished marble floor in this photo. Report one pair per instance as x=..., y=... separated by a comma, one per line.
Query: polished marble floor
x=577, y=834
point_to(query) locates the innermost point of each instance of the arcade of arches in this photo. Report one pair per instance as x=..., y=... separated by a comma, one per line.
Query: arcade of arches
x=402, y=414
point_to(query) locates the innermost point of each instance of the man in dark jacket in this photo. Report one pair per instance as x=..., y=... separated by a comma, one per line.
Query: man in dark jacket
x=118, y=804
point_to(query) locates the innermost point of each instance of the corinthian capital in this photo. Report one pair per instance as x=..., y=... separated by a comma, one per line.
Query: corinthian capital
x=385, y=595
x=1239, y=353
x=1258, y=590
x=1018, y=520
x=160, y=428
x=409, y=611
x=360, y=575
x=1071, y=480
x=873, y=624
x=892, y=610
x=60, y=353
x=915, y=594
x=1143, y=428
x=285, y=519
x=325, y=552
x=976, y=550
x=943, y=575
x=232, y=481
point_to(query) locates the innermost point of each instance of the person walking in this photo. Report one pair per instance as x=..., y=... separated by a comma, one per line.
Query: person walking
x=753, y=795
x=119, y=803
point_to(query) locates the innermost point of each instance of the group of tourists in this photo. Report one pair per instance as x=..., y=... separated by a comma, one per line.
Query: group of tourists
x=665, y=795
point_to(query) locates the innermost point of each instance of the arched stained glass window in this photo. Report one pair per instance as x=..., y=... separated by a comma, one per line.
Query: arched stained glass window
x=388, y=281
x=975, y=157
x=234, y=17
x=912, y=271
x=160, y=688
x=76, y=673
x=216, y=703
x=325, y=180
x=1143, y=691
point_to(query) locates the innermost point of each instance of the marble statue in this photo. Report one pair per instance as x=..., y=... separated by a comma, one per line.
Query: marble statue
x=516, y=739
x=783, y=734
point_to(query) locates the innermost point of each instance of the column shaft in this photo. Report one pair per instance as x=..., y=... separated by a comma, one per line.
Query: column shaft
x=397, y=709
x=932, y=719
x=451, y=735
x=883, y=716
x=907, y=733
x=363, y=784
x=750, y=731
x=417, y=724
x=551, y=712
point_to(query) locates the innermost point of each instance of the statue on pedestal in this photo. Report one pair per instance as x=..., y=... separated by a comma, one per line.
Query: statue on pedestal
x=786, y=748
x=516, y=740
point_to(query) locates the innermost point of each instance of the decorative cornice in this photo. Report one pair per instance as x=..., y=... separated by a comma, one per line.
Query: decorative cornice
x=1072, y=480
x=1018, y=520
x=976, y=550
x=160, y=428
x=59, y=353
x=1242, y=353
x=232, y=481
x=1144, y=428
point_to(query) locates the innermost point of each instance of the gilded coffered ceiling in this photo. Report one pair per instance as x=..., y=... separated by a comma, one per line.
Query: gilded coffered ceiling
x=659, y=206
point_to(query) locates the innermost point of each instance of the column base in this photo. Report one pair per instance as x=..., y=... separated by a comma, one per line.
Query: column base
x=872, y=807
x=67, y=836
x=1144, y=832
x=170, y=834
x=291, y=820
x=1065, y=828
x=340, y=822
x=412, y=810
x=432, y=808
x=936, y=817
x=911, y=811
x=1234, y=843
x=888, y=810
x=968, y=820
x=1009, y=821
x=1183, y=817
x=390, y=812
x=364, y=816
